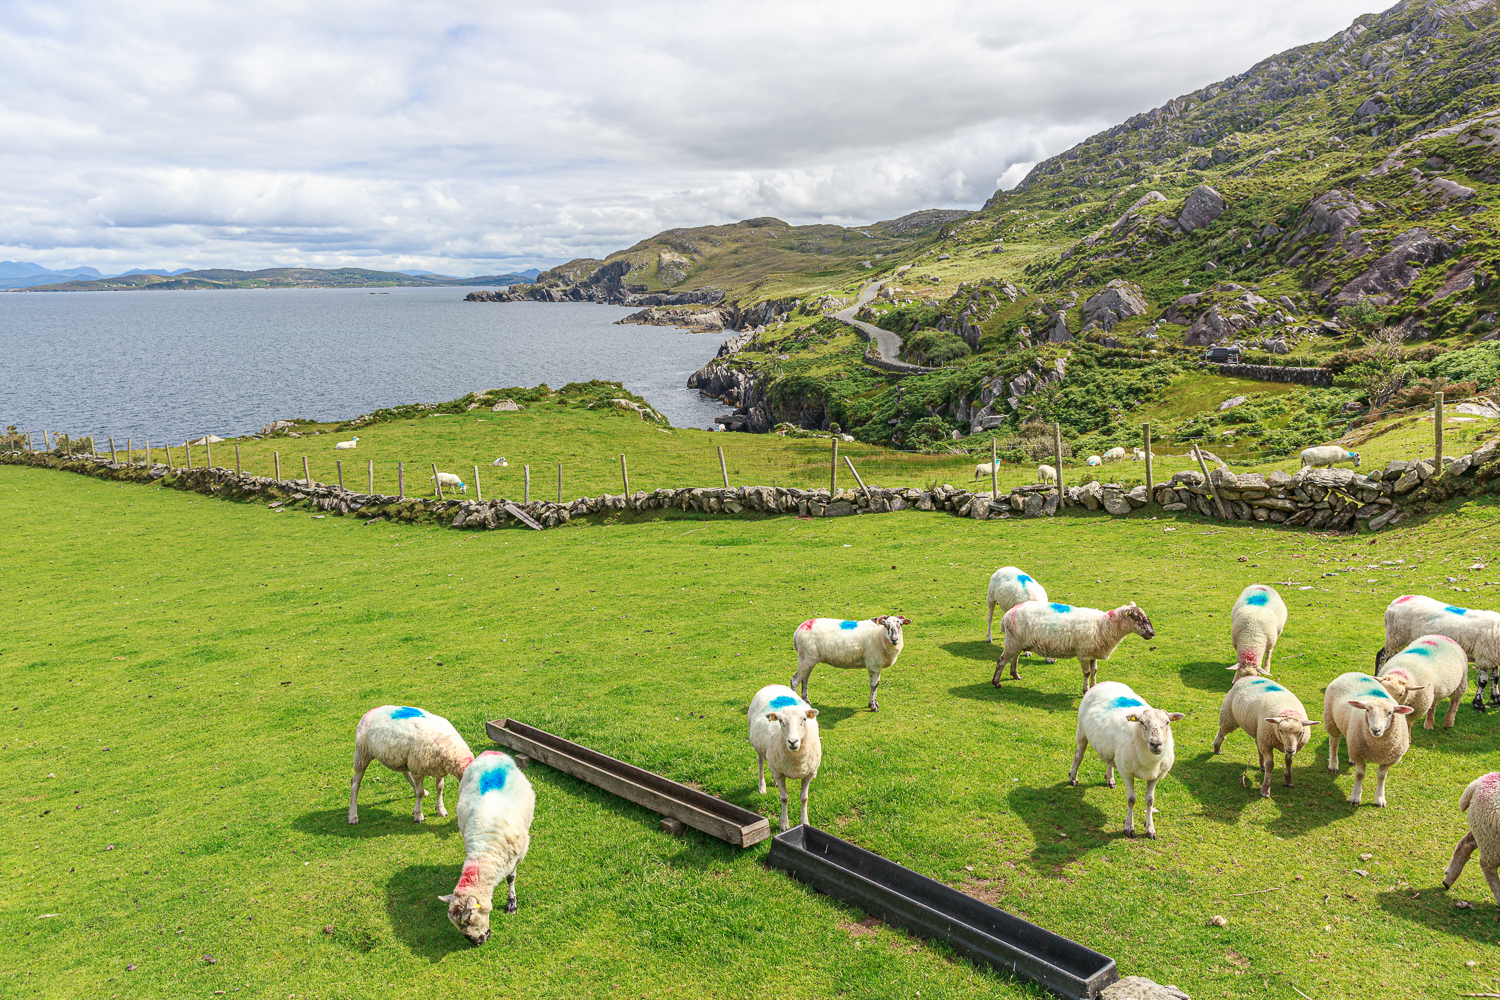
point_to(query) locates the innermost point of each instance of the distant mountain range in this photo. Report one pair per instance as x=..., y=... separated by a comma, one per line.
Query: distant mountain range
x=17, y=276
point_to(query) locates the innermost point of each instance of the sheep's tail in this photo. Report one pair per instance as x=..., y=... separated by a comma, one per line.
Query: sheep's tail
x=1468, y=795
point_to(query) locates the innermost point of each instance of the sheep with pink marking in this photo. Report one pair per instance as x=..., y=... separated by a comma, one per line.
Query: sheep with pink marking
x=1358, y=709
x=496, y=805
x=1273, y=716
x=415, y=743
x=1432, y=668
x=872, y=644
x=1481, y=800
x=1009, y=587
x=1065, y=632
x=1255, y=624
x=1411, y=616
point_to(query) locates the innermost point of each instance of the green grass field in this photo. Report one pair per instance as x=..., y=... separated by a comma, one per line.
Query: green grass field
x=213, y=825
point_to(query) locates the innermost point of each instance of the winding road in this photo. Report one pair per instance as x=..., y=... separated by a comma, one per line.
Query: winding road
x=886, y=342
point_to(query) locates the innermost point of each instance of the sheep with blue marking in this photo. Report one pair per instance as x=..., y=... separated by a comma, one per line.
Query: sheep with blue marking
x=1327, y=456
x=1357, y=708
x=496, y=805
x=1114, y=454
x=1129, y=736
x=449, y=481
x=1064, y=632
x=1009, y=587
x=1411, y=616
x=348, y=445
x=1255, y=624
x=418, y=744
x=1273, y=716
x=1432, y=668
x=872, y=644
x=784, y=733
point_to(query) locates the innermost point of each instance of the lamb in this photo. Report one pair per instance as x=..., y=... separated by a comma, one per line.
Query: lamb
x=1137, y=455
x=1412, y=616
x=495, y=808
x=450, y=481
x=348, y=445
x=1424, y=673
x=1271, y=714
x=416, y=743
x=1328, y=455
x=784, y=731
x=872, y=644
x=1065, y=632
x=1046, y=474
x=1255, y=624
x=984, y=470
x=1009, y=587
x=1114, y=454
x=1481, y=800
x=1093, y=460
x=1130, y=735
x=1357, y=708
x=501, y=462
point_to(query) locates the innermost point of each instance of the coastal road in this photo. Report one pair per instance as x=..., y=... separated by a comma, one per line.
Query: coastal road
x=886, y=342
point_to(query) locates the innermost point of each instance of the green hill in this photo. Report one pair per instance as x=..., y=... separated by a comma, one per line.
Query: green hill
x=272, y=277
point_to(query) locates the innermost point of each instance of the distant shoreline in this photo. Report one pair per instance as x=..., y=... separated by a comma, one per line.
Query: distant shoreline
x=276, y=277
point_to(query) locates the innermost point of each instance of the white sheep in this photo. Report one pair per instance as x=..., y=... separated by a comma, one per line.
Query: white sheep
x=984, y=469
x=1328, y=455
x=1411, y=616
x=784, y=732
x=1273, y=716
x=448, y=480
x=495, y=808
x=1046, y=474
x=872, y=644
x=1137, y=455
x=1255, y=624
x=1128, y=735
x=1357, y=708
x=1009, y=587
x=418, y=744
x=348, y=445
x=1432, y=668
x=1064, y=632
x=501, y=462
x=1481, y=800
x=1114, y=454
x=1093, y=460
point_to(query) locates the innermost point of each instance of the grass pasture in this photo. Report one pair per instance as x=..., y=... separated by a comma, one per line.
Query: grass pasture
x=213, y=825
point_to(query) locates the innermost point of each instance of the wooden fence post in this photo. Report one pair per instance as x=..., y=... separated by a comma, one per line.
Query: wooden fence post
x=1223, y=511
x=833, y=470
x=187, y=446
x=276, y=462
x=1057, y=451
x=168, y=449
x=372, y=477
x=526, y=497
x=400, y=480
x=559, y=482
x=237, y=469
x=148, y=453
x=858, y=480
x=128, y=450
x=436, y=482
x=112, y=456
x=624, y=475
x=1437, y=429
x=306, y=473
x=723, y=468
x=339, y=464
x=1150, y=484
x=478, y=490
x=994, y=473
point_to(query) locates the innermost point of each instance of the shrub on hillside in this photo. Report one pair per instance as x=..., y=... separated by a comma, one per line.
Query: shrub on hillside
x=934, y=348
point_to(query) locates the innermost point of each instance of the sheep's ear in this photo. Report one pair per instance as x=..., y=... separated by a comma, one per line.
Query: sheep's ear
x=1131, y=604
x=1132, y=718
x=905, y=621
x=812, y=713
x=448, y=898
x=1312, y=722
x=1405, y=710
x=1233, y=667
x=1174, y=716
x=772, y=717
x=1359, y=705
x=1422, y=687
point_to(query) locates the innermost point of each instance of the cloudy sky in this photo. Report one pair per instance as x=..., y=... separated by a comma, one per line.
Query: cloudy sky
x=476, y=138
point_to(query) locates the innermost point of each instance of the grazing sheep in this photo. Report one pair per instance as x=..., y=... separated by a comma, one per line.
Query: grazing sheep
x=1046, y=474
x=784, y=731
x=1412, y=616
x=1481, y=800
x=348, y=445
x=1357, y=708
x=1064, y=632
x=449, y=481
x=984, y=469
x=1273, y=716
x=1093, y=460
x=495, y=808
x=872, y=644
x=1114, y=454
x=1130, y=735
x=1328, y=456
x=1009, y=587
x=418, y=744
x=1255, y=624
x=1432, y=668
x=1243, y=670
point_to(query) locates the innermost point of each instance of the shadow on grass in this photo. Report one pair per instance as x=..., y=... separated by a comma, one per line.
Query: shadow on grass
x=375, y=820
x=419, y=918
x=1206, y=675
x=1433, y=907
x=1063, y=826
x=1015, y=693
x=975, y=650
x=1314, y=801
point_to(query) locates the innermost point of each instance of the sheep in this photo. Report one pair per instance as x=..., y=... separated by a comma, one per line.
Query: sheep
x=1358, y=709
x=1065, y=632
x=1481, y=800
x=1130, y=735
x=1411, y=616
x=1328, y=455
x=1137, y=455
x=784, y=731
x=1046, y=474
x=348, y=445
x=1255, y=624
x=449, y=480
x=1093, y=460
x=495, y=808
x=872, y=644
x=1009, y=587
x=1432, y=668
x=1271, y=714
x=501, y=462
x=1114, y=454
x=416, y=743
x=984, y=469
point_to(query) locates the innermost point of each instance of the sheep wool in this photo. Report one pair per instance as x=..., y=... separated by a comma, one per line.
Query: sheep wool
x=418, y=744
x=1432, y=668
x=1046, y=474
x=1273, y=716
x=1129, y=736
x=1481, y=800
x=1064, y=632
x=1357, y=708
x=1009, y=587
x=448, y=480
x=983, y=469
x=784, y=733
x=1255, y=624
x=496, y=805
x=1411, y=616
x=872, y=644
x=1114, y=454
x=1328, y=455
x=348, y=445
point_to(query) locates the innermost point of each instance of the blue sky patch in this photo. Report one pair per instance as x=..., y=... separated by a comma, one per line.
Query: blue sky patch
x=408, y=713
x=1061, y=609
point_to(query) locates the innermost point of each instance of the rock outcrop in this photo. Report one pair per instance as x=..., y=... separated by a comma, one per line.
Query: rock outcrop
x=1203, y=205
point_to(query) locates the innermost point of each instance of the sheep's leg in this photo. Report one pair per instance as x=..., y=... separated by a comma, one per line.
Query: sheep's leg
x=418, y=791
x=1478, y=702
x=1009, y=655
x=762, y=758
x=1090, y=673
x=806, y=784
x=438, y=786
x=781, y=788
x=1265, y=660
x=874, y=683
x=1453, y=700
x=1359, y=779
x=510, y=898
x=1268, y=767
x=361, y=761
x=1289, y=770
x=1151, y=808
x=1333, y=752
x=804, y=671
x=1226, y=726
x=1431, y=713
x=1380, y=774
x=989, y=626
x=1495, y=687
x=1461, y=854
x=1130, y=806
x=1109, y=774
x=1083, y=744
x=1491, y=877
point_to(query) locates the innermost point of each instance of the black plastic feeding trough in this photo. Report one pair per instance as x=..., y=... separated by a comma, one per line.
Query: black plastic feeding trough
x=696, y=809
x=930, y=909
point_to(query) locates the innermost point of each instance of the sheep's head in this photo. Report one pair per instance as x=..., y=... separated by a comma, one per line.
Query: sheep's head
x=1156, y=725
x=793, y=721
x=1247, y=668
x=1139, y=623
x=1291, y=732
x=470, y=916
x=1380, y=715
x=1355, y=455
x=1398, y=684
x=892, y=625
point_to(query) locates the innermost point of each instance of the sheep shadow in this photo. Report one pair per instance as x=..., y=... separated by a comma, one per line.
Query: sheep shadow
x=418, y=918
x=1433, y=906
x=1225, y=785
x=1013, y=692
x=975, y=650
x=1063, y=826
x=1206, y=675
x=375, y=820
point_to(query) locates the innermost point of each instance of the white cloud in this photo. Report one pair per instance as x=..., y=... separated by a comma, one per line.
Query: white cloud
x=476, y=137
